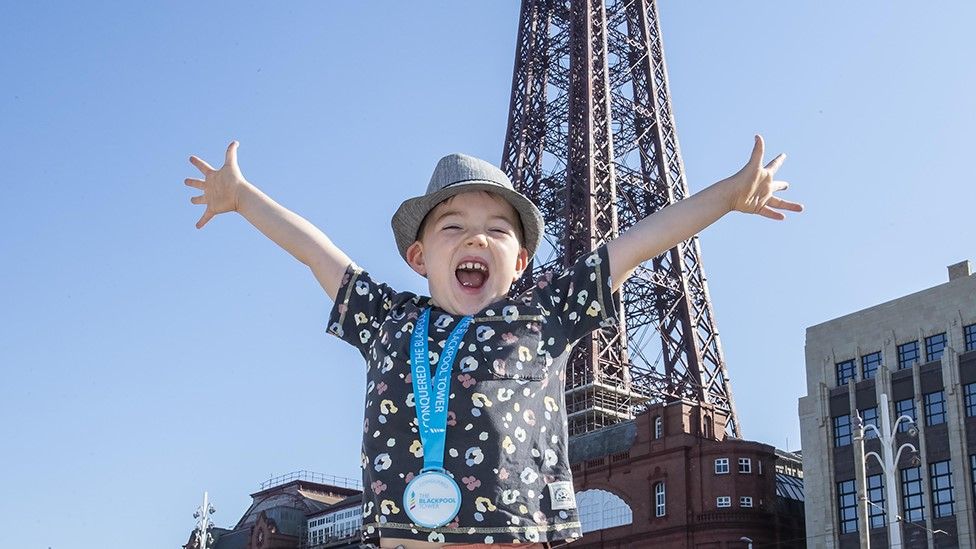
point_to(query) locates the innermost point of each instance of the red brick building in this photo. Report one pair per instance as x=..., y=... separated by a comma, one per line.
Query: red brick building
x=670, y=478
x=663, y=479
x=300, y=510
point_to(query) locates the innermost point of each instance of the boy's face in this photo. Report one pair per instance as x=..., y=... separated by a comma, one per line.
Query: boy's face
x=469, y=250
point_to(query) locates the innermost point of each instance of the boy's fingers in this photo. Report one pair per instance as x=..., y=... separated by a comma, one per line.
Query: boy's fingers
x=775, y=163
x=201, y=165
x=781, y=204
x=766, y=211
x=758, y=149
x=202, y=199
x=207, y=215
x=231, y=156
x=195, y=183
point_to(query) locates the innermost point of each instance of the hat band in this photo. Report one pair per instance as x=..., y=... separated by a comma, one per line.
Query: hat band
x=452, y=183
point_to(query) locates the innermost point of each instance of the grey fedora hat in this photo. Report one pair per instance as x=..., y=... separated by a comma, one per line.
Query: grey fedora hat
x=459, y=173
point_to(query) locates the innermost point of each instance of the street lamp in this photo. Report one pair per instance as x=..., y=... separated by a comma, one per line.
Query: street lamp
x=888, y=460
x=747, y=540
x=202, y=535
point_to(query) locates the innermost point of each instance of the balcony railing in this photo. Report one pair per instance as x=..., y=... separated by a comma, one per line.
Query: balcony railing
x=311, y=476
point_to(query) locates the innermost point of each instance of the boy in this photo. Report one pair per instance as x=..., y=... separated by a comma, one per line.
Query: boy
x=465, y=437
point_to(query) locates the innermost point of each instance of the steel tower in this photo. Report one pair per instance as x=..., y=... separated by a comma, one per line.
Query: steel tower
x=591, y=140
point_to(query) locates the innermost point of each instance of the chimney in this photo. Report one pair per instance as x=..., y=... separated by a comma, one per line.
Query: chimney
x=960, y=270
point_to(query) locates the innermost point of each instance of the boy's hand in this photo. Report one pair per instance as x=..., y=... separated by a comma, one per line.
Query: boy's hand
x=753, y=186
x=220, y=187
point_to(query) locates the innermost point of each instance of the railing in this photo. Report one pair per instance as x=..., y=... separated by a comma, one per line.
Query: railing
x=311, y=476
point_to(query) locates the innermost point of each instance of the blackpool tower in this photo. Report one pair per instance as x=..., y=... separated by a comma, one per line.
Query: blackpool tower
x=591, y=140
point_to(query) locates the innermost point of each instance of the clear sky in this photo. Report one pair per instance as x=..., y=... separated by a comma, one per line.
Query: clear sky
x=145, y=361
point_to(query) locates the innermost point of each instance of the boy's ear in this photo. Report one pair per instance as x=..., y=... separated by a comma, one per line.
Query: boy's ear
x=415, y=258
x=521, y=262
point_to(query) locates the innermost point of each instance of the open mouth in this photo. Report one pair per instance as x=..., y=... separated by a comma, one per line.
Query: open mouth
x=472, y=274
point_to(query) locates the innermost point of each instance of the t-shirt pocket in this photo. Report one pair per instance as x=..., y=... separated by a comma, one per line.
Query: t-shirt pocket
x=520, y=353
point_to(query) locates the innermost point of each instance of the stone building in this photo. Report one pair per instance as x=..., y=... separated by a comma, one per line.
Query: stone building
x=919, y=351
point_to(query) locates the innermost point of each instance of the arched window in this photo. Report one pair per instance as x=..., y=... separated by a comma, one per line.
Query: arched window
x=658, y=427
x=660, y=502
x=599, y=510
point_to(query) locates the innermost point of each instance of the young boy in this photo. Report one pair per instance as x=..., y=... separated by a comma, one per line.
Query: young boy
x=465, y=437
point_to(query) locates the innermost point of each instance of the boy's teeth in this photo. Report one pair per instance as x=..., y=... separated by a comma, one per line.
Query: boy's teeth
x=471, y=275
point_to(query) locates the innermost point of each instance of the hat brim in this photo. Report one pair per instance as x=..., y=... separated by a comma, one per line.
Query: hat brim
x=411, y=213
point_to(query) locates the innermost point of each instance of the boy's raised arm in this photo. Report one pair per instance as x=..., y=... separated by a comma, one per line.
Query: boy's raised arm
x=226, y=190
x=749, y=190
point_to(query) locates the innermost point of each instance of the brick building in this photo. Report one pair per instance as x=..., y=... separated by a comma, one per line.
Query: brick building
x=670, y=478
x=920, y=352
x=296, y=511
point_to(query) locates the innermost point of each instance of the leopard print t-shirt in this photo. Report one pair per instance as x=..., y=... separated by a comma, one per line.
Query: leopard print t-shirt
x=507, y=436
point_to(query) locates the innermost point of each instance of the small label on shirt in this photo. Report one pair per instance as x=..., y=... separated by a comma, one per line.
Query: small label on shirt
x=561, y=495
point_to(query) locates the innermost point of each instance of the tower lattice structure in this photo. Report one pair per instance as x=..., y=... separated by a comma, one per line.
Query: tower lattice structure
x=591, y=140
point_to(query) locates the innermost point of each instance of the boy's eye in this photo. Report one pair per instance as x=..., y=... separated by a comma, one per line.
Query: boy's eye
x=446, y=227
x=500, y=230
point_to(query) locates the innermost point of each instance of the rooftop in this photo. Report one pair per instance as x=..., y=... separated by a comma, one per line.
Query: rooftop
x=311, y=476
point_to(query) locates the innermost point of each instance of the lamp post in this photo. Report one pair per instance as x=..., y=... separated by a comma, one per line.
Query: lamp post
x=863, y=512
x=202, y=534
x=888, y=460
x=747, y=540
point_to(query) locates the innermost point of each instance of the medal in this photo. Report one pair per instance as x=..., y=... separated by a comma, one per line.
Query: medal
x=432, y=498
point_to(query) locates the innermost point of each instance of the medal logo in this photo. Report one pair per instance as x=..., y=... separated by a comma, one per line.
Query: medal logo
x=433, y=499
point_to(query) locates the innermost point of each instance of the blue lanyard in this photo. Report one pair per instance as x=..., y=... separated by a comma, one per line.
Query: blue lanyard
x=432, y=392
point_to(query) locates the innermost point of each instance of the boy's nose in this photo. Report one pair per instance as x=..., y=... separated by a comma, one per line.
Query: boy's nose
x=478, y=238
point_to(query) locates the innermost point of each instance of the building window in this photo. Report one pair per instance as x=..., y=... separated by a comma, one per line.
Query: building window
x=845, y=372
x=972, y=473
x=659, y=500
x=658, y=427
x=969, y=333
x=846, y=507
x=759, y=465
x=870, y=417
x=940, y=480
x=970, y=390
x=745, y=465
x=935, y=413
x=842, y=430
x=907, y=355
x=723, y=501
x=722, y=466
x=599, y=509
x=876, y=496
x=745, y=501
x=934, y=346
x=911, y=498
x=869, y=365
x=905, y=408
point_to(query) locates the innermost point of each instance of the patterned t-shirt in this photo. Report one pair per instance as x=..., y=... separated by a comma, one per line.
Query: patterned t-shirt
x=507, y=436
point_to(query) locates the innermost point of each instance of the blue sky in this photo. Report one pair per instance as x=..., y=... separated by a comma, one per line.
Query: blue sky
x=145, y=361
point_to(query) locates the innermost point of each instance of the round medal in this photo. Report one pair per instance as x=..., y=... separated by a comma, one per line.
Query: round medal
x=432, y=499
